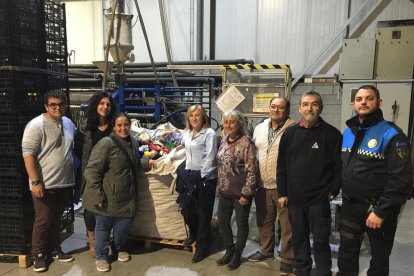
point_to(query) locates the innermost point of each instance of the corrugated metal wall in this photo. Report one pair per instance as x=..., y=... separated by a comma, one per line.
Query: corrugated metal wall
x=267, y=31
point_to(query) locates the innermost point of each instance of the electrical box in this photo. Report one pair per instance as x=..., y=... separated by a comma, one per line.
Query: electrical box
x=395, y=52
x=357, y=59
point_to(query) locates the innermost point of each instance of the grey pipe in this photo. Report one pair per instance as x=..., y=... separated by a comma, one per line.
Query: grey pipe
x=74, y=81
x=200, y=30
x=164, y=64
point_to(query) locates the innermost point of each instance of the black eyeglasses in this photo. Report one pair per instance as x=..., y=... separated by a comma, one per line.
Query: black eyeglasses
x=55, y=105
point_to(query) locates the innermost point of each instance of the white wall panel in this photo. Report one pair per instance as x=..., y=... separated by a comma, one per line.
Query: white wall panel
x=267, y=31
x=84, y=26
x=236, y=29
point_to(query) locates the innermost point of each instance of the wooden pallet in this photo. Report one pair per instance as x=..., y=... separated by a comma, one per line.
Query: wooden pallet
x=171, y=242
x=25, y=260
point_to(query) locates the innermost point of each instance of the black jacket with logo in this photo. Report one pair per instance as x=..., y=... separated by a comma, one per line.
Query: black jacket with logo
x=376, y=163
x=309, y=164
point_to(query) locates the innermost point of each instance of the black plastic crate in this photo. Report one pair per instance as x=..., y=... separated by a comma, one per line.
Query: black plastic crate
x=14, y=122
x=14, y=245
x=15, y=235
x=26, y=81
x=10, y=165
x=19, y=30
x=11, y=207
x=14, y=185
x=68, y=217
x=8, y=123
x=20, y=5
x=25, y=100
x=19, y=57
x=10, y=143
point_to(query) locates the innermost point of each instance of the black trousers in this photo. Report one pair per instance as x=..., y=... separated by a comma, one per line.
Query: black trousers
x=315, y=219
x=90, y=220
x=352, y=229
x=198, y=215
x=225, y=212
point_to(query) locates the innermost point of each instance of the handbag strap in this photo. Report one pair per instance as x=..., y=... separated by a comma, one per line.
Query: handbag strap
x=131, y=164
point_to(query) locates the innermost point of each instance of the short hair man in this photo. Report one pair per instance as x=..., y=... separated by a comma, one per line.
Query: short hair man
x=266, y=137
x=377, y=176
x=48, y=156
x=308, y=175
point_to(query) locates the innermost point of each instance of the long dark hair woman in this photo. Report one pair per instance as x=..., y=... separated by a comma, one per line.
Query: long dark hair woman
x=96, y=125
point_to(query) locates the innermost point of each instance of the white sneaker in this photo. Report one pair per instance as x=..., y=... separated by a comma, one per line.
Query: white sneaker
x=102, y=265
x=123, y=256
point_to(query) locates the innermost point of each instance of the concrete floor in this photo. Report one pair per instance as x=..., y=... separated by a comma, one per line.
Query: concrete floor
x=163, y=261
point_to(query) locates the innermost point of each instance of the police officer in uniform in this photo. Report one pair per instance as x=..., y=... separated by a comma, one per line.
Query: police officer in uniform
x=377, y=180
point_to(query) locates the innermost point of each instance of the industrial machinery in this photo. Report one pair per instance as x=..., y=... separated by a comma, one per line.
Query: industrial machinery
x=386, y=62
x=150, y=103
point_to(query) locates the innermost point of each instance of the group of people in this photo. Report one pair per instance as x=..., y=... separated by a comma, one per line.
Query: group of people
x=106, y=177
x=292, y=171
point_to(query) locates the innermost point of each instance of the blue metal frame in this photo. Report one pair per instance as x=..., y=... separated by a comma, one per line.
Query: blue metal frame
x=122, y=93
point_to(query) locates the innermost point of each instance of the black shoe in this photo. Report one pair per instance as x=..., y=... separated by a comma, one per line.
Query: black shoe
x=39, y=263
x=258, y=257
x=59, y=255
x=285, y=269
x=235, y=261
x=198, y=256
x=226, y=258
x=188, y=241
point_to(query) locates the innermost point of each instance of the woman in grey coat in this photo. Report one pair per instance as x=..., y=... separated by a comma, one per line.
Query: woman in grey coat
x=111, y=189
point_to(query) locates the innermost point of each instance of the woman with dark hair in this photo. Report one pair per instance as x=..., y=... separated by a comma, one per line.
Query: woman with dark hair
x=111, y=189
x=96, y=125
x=197, y=185
x=237, y=175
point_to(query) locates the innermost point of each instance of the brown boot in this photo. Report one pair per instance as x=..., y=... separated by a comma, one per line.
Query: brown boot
x=91, y=238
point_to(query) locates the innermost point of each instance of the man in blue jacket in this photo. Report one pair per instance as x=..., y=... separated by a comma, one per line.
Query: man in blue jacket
x=377, y=180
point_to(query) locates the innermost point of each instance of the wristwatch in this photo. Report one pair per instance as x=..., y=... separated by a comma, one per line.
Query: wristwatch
x=35, y=182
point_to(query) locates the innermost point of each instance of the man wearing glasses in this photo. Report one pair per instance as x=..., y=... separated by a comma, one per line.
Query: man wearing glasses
x=266, y=137
x=47, y=148
x=308, y=176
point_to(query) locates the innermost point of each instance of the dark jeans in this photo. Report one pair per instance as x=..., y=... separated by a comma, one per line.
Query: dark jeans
x=352, y=225
x=315, y=219
x=199, y=218
x=225, y=211
x=46, y=226
x=104, y=225
x=90, y=221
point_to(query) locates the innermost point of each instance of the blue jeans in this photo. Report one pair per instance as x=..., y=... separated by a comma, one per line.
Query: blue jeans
x=104, y=225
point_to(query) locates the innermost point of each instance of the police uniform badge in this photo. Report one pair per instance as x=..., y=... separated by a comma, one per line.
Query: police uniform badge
x=403, y=150
x=372, y=143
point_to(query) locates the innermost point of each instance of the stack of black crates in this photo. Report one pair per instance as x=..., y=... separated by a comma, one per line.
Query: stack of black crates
x=26, y=48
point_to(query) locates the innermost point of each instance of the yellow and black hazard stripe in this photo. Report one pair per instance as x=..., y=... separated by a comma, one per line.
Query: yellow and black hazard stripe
x=256, y=66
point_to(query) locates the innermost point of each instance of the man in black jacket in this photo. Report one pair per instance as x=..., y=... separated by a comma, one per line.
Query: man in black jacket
x=377, y=175
x=308, y=175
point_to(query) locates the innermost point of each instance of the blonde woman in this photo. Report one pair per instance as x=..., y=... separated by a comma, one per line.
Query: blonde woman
x=197, y=185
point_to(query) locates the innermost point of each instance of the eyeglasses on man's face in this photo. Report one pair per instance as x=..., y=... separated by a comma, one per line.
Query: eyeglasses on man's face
x=56, y=105
x=277, y=107
x=312, y=104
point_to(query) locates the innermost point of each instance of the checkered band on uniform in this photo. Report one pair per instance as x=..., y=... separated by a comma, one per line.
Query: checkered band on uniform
x=371, y=154
x=346, y=149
